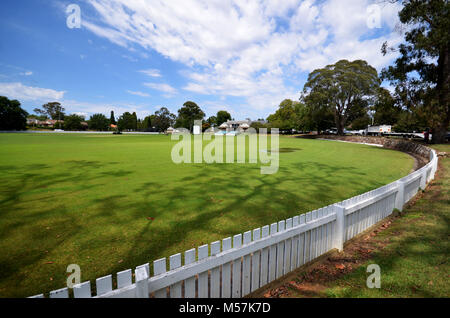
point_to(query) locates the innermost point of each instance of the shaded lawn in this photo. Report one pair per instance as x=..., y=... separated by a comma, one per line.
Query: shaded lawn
x=109, y=203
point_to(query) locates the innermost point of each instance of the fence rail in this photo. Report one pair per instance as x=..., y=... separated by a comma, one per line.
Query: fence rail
x=237, y=266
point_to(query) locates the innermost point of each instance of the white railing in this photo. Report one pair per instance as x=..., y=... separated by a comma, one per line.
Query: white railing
x=235, y=267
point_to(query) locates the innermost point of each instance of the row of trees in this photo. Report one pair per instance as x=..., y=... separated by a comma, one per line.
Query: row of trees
x=348, y=94
x=13, y=117
x=160, y=121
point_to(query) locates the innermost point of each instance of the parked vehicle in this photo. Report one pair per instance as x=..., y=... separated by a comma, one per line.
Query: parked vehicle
x=378, y=130
x=332, y=131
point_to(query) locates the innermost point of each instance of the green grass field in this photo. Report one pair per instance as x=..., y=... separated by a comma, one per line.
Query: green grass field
x=109, y=203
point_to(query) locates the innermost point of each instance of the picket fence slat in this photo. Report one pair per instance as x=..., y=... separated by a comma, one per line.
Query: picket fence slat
x=258, y=257
x=60, y=293
x=203, y=277
x=175, y=262
x=246, y=283
x=264, y=259
x=226, y=271
x=215, y=272
x=104, y=285
x=83, y=290
x=189, y=284
x=159, y=267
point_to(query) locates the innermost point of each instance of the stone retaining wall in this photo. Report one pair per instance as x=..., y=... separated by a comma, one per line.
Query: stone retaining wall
x=391, y=143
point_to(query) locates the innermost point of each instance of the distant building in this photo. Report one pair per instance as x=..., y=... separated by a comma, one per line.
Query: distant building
x=49, y=123
x=236, y=125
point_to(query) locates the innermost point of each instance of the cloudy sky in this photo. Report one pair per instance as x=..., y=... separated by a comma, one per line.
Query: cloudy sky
x=244, y=56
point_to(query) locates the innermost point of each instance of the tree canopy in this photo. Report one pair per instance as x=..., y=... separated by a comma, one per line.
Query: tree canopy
x=73, y=122
x=126, y=122
x=340, y=87
x=285, y=117
x=421, y=74
x=222, y=117
x=53, y=110
x=163, y=119
x=12, y=116
x=99, y=122
x=188, y=114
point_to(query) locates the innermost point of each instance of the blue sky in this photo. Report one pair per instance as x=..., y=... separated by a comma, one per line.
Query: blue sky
x=132, y=55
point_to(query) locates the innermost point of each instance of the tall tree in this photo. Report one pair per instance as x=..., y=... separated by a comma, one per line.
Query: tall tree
x=99, y=122
x=212, y=121
x=135, y=121
x=422, y=72
x=53, y=110
x=163, y=119
x=340, y=85
x=188, y=114
x=73, y=122
x=222, y=117
x=285, y=116
x=314, y=113
x=12, y=116
x=112, y=119
x=386, y=111
x=126, y=122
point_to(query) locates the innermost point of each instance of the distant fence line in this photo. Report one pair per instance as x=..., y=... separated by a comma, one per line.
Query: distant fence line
x=237, y=266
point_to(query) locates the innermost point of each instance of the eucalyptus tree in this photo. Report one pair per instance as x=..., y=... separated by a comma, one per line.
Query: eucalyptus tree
x=421, y=74
x=339, y=86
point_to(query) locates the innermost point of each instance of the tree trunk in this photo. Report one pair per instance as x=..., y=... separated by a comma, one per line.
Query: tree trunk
x=340, y=123
x=443, y=88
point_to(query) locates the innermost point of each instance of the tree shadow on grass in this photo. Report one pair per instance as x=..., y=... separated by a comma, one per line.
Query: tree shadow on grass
x=204, y=215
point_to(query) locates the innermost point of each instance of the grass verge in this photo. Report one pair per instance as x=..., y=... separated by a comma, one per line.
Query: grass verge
x=411, y=248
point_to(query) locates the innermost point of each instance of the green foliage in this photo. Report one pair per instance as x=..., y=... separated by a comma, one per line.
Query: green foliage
x=134, y=121
x=188, y=114
x=212, y=121
x=222, y=117
x=99, y=122
x=112, y=119
x=386, y=110
x=285, y=117
x=53, y=110
x=40, y=118
x=313, y=113
x=163, y=119
x=12, y=116
x=126, y=122
x=257, y=126
x=340, y=87
x=73, y=122
x=422, y=72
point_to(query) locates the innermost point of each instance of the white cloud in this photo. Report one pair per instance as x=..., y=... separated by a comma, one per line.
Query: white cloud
x=246, y=48
x=151, y=72
x=29, y=93
x=162, y=87
x=27, y=73
x=138, y=93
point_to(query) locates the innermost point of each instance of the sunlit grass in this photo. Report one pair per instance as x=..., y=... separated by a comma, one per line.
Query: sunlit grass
x=109, y=203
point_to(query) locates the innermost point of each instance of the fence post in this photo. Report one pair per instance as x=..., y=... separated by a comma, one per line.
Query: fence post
x=423, y=179
x=142, y=282
x=400, y=199
x=339, y=229
x=435, y=166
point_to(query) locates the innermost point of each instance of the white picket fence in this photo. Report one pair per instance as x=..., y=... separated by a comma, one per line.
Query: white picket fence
x=235, y=267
